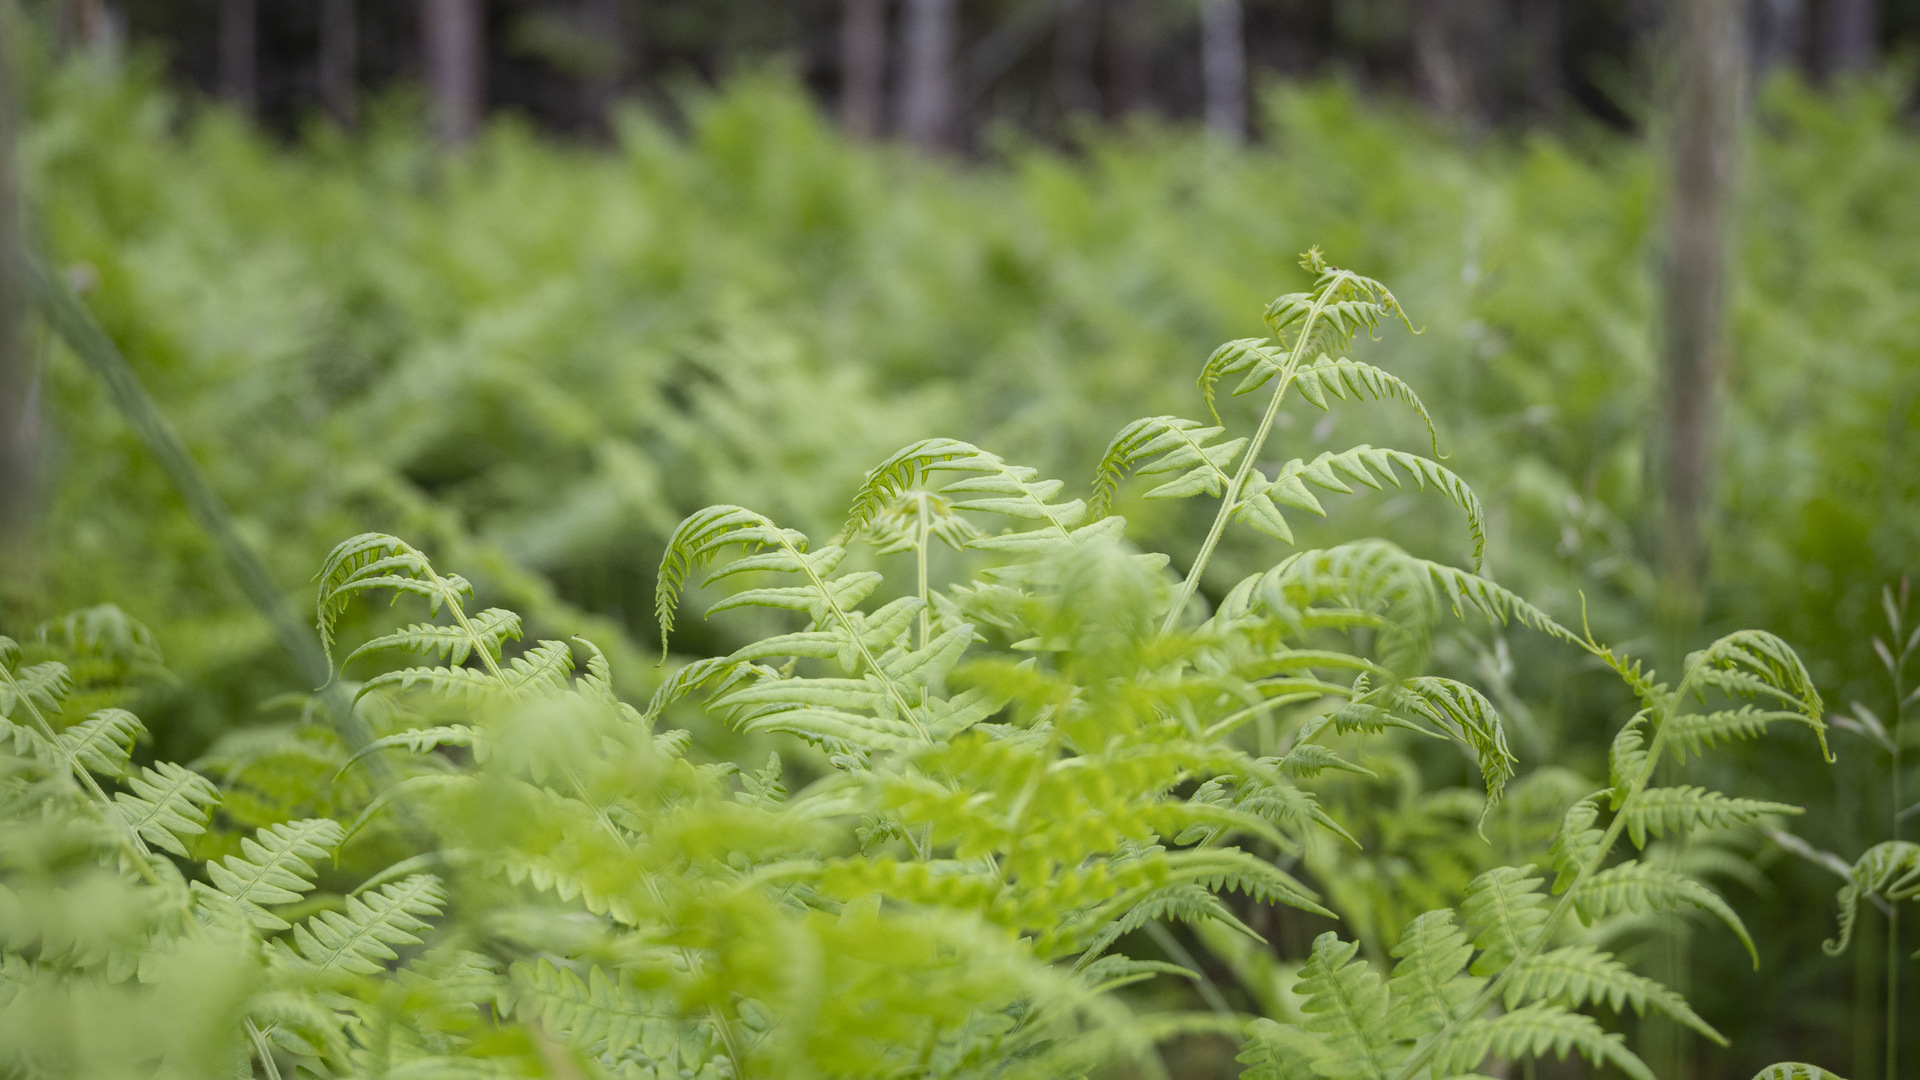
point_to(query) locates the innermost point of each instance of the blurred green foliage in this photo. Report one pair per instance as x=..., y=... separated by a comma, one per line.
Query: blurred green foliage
x=536, y=357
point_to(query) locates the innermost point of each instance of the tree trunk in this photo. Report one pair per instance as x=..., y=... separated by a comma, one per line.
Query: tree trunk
x=1074, y=49
x=339, y=61
x=863, y=66
x=602, y=21
x=239, y=45
x=90, y=24
x=1847, y=39
x=18, y=414
x=1704, y=152
x=927, y=92
x=1223, y=68
x=1779, y=33
x=1129, y=63
x=451, y=33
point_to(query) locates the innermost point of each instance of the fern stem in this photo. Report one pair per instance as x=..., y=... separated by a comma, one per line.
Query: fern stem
x=1254, y=445
x=1424, y=1052
x=261, y=1048
x=920, y=554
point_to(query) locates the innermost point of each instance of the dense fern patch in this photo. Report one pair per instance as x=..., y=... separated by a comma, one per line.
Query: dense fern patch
x=1027, y=769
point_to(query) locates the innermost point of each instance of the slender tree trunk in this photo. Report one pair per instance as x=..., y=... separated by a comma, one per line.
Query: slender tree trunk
x=602, y=21
x=451, y=33
x=863, y=66
x=1129, y=64
x=1075, y=45
x=1779, y=33
x=1438, y=71
x=928, y=94
x=90, y=24
x=18, y=414
x=1847, y=38
x=1543, y=27
x=239, y=45
x=1223, y=68
x=340, y=60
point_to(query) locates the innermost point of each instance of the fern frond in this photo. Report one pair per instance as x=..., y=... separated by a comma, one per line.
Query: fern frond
x=906, y=468
x=1578, y=974
x=1508, y=907
x=1577, y=844
x=592, y=1013
x=1533, y=1031
x=104, y=741
x=1370, y=466
x=422, y=740
x=1754, y=663
x=691, y=677
x=1465, y=714
x=1696, y=733
x=1673, y=811
x=1276, y=1051
x=1637, y=887
x=42, y=686
x=1338, y=378
x=1794, y=1070
x=1347, y=1003
x=359, y=940
x=487, y=632
x=273, y=867
x=1179, y=444
x=1428, y=990
x=1890, y=870
x=1256, y=356
x=378, y=561
x=167, y=803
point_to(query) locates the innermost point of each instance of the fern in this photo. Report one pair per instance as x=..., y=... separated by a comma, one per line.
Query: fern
x=274, y=867
x=360, y=939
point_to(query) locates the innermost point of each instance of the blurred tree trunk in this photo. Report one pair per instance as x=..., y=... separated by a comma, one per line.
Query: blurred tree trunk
x=863, y=66
x=1542, y=27
x=451, y=33
x=1438, y=71
x=602, y=21
x=1075, y=47
x=1779, y=33
x=1703, y=156
x=339, y=61
x=1223, y=68
x=928, y=95
x=1847, y=36
x=91, y=24
x=18, y=419
x=239, y=48
x=1129, y=60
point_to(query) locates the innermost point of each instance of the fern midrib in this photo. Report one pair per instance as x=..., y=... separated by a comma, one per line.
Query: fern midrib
x=853, y=633
x=1254, y=446
x=1424, y=1053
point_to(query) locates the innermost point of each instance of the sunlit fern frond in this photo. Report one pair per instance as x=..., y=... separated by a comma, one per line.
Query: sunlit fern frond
x=360, y=938
x=1369, y=466
x=378, y=561
x=166, y=805
x=1179, y=445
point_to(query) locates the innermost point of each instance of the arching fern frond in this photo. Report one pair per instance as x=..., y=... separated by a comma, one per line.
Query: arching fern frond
x=1889, y=870
x=486, y=631
x=1328, y=377
x=1577, y=974
x=1638, y=887
x=166, y=805
x=595, y=1013
x=1538, y=1029
x=1369, y=466
x=1668, y=811
x=378, y=561
x=104, y=741
x=1182, y=446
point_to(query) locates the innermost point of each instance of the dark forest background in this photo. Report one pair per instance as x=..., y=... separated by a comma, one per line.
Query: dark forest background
x=945, y=73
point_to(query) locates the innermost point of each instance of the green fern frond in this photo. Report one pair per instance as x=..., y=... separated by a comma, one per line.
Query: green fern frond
x=1373, y=467
x=1578, y=974
x=422, y=740
x=1577, y=844
x=1184, y=446
x=1537, y=1029
x=1754, y=663
x=595, y=1013
x=1427, y=987
x=273, y=867
x=359, y=940
x=378, y=561
x=1339, y=378
x=1890, y=870
x=1637, y=887
x=1346, y=1002
x=905, y=469
x=728, y=671
x=1696, y=733
x=1259, y=357
x=167, y=804
x=1673, y=811
x=1794, y=1070
x=1276, y=1051
x=1509, y=909
x=42, y=686
x=487, y=631
x=1627, y=758
x=1465, y=714
x=104, y=741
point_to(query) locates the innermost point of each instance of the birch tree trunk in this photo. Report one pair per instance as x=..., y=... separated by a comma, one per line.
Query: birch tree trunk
x=1223, y=68
x=339, y=61
x=239, y=47
x=928, y=94
x=450, y=30
x=1704, y=155
x=863, y=66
